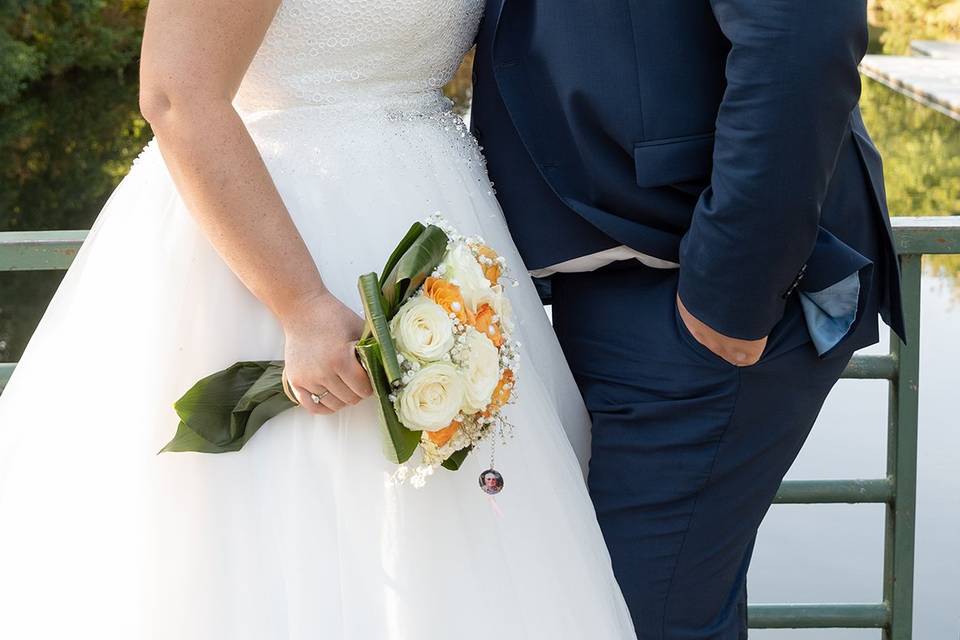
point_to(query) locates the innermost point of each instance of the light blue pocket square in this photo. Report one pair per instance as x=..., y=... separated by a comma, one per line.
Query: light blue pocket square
x=830, y=313
x=830, y=290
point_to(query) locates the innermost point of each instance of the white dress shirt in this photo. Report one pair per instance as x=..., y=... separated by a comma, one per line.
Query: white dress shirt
x=594, y=261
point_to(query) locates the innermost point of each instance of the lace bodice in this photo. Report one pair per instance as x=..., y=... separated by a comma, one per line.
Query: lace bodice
x=324, y=52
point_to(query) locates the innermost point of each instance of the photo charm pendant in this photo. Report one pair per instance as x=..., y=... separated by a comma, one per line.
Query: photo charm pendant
x=491, y=482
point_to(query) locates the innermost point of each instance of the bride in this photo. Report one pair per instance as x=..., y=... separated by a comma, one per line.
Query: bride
x=295, y=142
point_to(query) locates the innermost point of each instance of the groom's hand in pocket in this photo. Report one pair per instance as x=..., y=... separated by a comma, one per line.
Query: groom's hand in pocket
x=740, y=353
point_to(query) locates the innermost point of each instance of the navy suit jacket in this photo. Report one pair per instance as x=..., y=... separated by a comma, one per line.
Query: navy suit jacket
x=705, y=132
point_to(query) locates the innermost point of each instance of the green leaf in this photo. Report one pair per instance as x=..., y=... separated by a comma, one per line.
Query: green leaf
x=455, y=461
x=186, y=439
x=207, y=407
x=261, y=411
x=399, y=442
x=415, y=232
x=417, y=262
x=378, y=325
x=223, y=411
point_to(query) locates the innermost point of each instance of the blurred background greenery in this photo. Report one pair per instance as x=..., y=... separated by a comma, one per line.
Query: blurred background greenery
x=904, y=20
x=70, y=126
x=49, y=38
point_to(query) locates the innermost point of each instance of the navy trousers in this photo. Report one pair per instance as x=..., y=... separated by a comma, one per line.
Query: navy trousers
x=688, y=450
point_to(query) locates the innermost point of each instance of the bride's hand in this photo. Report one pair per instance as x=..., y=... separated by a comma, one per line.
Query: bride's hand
x=320, y=336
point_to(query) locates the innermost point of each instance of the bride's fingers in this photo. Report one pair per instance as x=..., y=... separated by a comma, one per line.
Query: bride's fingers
x=355, y=376
x=332, y=402
x=340, y=391
x=307, y=403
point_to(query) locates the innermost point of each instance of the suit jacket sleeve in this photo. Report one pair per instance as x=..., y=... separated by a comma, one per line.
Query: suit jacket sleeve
x=792, y=82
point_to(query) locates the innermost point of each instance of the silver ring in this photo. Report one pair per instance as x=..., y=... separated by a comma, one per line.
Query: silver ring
x=317, y=398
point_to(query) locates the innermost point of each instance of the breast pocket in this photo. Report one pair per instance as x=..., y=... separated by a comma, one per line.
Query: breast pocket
x=670, y=161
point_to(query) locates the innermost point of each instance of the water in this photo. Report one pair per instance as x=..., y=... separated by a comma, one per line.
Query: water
x=834, y=553
x=64, y=147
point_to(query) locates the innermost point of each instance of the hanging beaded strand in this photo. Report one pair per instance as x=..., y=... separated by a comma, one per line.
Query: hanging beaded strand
x=491, y=481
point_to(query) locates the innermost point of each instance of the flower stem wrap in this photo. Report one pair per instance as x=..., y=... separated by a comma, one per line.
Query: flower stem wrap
x=223, y=411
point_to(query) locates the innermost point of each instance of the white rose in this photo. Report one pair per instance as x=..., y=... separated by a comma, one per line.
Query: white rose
x=461, y=266
x=481, y=371
x=432, y=398
x=422, y=329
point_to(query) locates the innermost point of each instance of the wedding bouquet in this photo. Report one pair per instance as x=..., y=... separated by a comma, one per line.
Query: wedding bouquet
x=437, y=348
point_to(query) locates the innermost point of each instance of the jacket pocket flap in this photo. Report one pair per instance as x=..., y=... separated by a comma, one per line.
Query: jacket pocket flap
x=662, y=162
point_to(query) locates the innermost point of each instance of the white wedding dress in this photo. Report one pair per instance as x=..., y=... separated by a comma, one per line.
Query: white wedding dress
x=298, y=536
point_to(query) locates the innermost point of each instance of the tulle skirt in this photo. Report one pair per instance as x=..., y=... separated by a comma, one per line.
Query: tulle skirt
x=299, y=535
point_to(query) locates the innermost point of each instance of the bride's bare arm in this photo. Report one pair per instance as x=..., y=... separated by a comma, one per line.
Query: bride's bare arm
x=194, y=56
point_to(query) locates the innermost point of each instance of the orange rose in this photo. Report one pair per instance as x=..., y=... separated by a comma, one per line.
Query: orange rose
x=501, y=395
x=491, y=272
x=448, y=296
x=444, y=436
x=485, y=324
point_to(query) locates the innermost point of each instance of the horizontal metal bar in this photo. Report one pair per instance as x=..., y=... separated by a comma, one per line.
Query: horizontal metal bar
x=927, y=235
x=835, y=492
x=43, y=250
x=39, y=250
x=871, y=367
x=818, y=616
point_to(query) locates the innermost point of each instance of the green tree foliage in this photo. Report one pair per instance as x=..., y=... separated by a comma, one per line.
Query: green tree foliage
x=921, y=161
x=906, y=20
x=921, y=152
x=51, y=37
x=64, y=146
x=460, y=88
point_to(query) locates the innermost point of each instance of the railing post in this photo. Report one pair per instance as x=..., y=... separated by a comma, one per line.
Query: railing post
x=900, y=525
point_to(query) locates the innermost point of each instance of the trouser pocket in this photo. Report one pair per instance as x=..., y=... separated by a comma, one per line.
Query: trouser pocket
x=791, y=332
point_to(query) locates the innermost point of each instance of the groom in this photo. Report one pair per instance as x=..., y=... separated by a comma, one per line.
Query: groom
x=694, y=183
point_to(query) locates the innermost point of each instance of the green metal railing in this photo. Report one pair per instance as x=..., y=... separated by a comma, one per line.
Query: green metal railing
x=915, y=237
